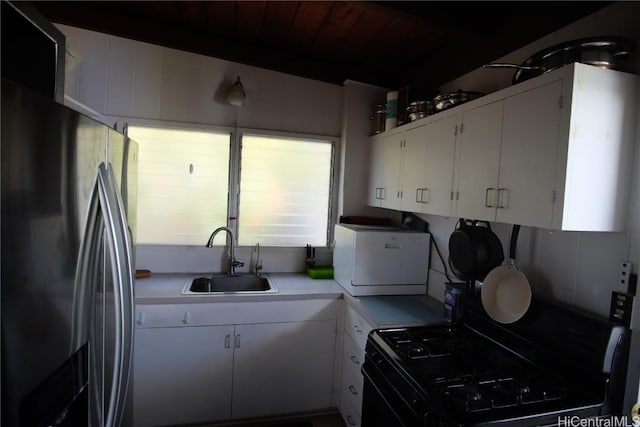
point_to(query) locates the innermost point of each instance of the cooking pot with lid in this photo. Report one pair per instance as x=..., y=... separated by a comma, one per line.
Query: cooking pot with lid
x=452, y=99
x=603, y=52
x=420, y=109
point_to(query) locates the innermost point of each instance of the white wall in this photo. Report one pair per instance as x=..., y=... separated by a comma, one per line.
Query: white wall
x=123, y=79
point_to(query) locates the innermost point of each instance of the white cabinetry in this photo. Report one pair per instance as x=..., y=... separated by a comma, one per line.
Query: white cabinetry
x=427, y=167
x=507, y=158
x=356, y=330
x=283, y=367
x=551, y=152
x=197, y=363
x=183, y=375
x=384, y=178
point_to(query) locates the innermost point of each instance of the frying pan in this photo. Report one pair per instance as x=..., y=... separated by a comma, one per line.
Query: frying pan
x=473, y=250
x=603, y=52
x=506, y=293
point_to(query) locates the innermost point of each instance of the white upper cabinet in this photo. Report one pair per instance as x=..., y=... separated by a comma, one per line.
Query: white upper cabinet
x=427, y=167
x=552, y=152
x=530, y=130
x=508, y=157
x=384, y=175
x=479, y=162
x=595, y=149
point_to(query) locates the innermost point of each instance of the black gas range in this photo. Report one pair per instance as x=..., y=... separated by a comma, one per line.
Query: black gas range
x=551, y=365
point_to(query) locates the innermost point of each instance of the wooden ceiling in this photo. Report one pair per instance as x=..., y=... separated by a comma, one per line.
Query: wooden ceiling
x=387, y=43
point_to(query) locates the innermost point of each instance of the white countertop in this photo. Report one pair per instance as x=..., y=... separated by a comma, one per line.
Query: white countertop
x=380, y=310
x=165, y=288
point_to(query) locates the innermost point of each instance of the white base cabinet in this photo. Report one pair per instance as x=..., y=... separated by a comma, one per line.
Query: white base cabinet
x=283, y=367
x=356, y=330
x=183, y=375
x=276, y=358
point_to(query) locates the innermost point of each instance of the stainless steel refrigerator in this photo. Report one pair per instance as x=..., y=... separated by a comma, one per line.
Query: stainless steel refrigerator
x=68, y=222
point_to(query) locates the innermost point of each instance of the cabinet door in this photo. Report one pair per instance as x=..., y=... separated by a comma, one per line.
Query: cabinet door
x=440, y=141
x=283, y=367
x=478, y=167
x=182, y=375
x=528, y=157
x=376, y=162
x=391, y=167
x=414, y=157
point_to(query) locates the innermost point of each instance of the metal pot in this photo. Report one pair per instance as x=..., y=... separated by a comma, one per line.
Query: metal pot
x=604, y=52
x=420, y=109
x=379, y=117
x=448, y=100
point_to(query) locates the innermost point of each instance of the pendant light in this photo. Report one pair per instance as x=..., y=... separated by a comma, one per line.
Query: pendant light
x=236, y=95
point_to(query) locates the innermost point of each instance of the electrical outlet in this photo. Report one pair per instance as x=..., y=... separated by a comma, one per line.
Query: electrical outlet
x=626, y=268
x=621, y=305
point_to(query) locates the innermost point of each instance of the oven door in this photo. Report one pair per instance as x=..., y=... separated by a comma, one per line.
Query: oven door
x=383, y=406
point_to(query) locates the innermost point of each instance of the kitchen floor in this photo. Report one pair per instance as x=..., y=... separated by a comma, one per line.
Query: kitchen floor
x=326, y=420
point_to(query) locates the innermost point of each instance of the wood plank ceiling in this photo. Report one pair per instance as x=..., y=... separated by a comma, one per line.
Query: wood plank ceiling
x=391, y=44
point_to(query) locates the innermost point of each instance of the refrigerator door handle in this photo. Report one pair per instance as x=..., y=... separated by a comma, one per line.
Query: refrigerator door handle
x=105, y=201
x=124, y=244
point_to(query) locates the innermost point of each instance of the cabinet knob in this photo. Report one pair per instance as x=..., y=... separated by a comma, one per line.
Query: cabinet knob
x=227, y=341
x=353, y=390
x=350, y=420
x=354, y=359
x=238, y=341
x=187, y=318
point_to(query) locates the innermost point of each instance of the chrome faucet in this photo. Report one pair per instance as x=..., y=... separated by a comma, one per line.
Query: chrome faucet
x=233, y=263
x=258, y=265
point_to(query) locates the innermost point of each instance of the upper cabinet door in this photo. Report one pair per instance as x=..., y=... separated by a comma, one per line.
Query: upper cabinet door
x=414, y=159
x=376, y=165
x=530, y=132
x=439, y=139
x=392, y=152
x=478, y=166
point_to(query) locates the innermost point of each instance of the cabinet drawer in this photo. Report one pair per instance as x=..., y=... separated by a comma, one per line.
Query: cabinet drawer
x=349, y=413
x=352, y=356
x=175, y=315
x=351, y=388
x=352, y=382
x=356, y=326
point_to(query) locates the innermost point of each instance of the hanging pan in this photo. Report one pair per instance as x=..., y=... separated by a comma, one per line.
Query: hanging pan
x=506, y=293
x=473, y=250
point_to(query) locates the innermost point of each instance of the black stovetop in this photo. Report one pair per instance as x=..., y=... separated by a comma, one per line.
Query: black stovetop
x=479, y=370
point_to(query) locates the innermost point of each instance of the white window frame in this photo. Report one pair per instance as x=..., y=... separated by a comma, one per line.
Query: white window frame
x=235, y=164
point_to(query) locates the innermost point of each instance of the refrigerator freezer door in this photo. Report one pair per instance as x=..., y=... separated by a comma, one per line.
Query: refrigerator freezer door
x=50, y=158
x=103, y=309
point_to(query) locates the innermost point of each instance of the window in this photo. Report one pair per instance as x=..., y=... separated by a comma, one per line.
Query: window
x=185, y=175
x=285, y=188
x=183, y=184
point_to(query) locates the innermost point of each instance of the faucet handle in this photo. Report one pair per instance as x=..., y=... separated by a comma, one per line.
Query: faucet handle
x=237, y=263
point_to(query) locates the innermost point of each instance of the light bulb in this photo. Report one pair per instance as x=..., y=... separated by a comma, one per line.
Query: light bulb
x=236, y=95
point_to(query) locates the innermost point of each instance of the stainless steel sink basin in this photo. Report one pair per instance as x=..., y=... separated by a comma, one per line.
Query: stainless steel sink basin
x=225, y=284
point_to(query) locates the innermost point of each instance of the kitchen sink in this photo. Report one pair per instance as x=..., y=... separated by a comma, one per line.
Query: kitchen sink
x=228, y=284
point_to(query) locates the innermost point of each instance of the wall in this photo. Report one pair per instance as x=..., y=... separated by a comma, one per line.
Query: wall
x=122, y=79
